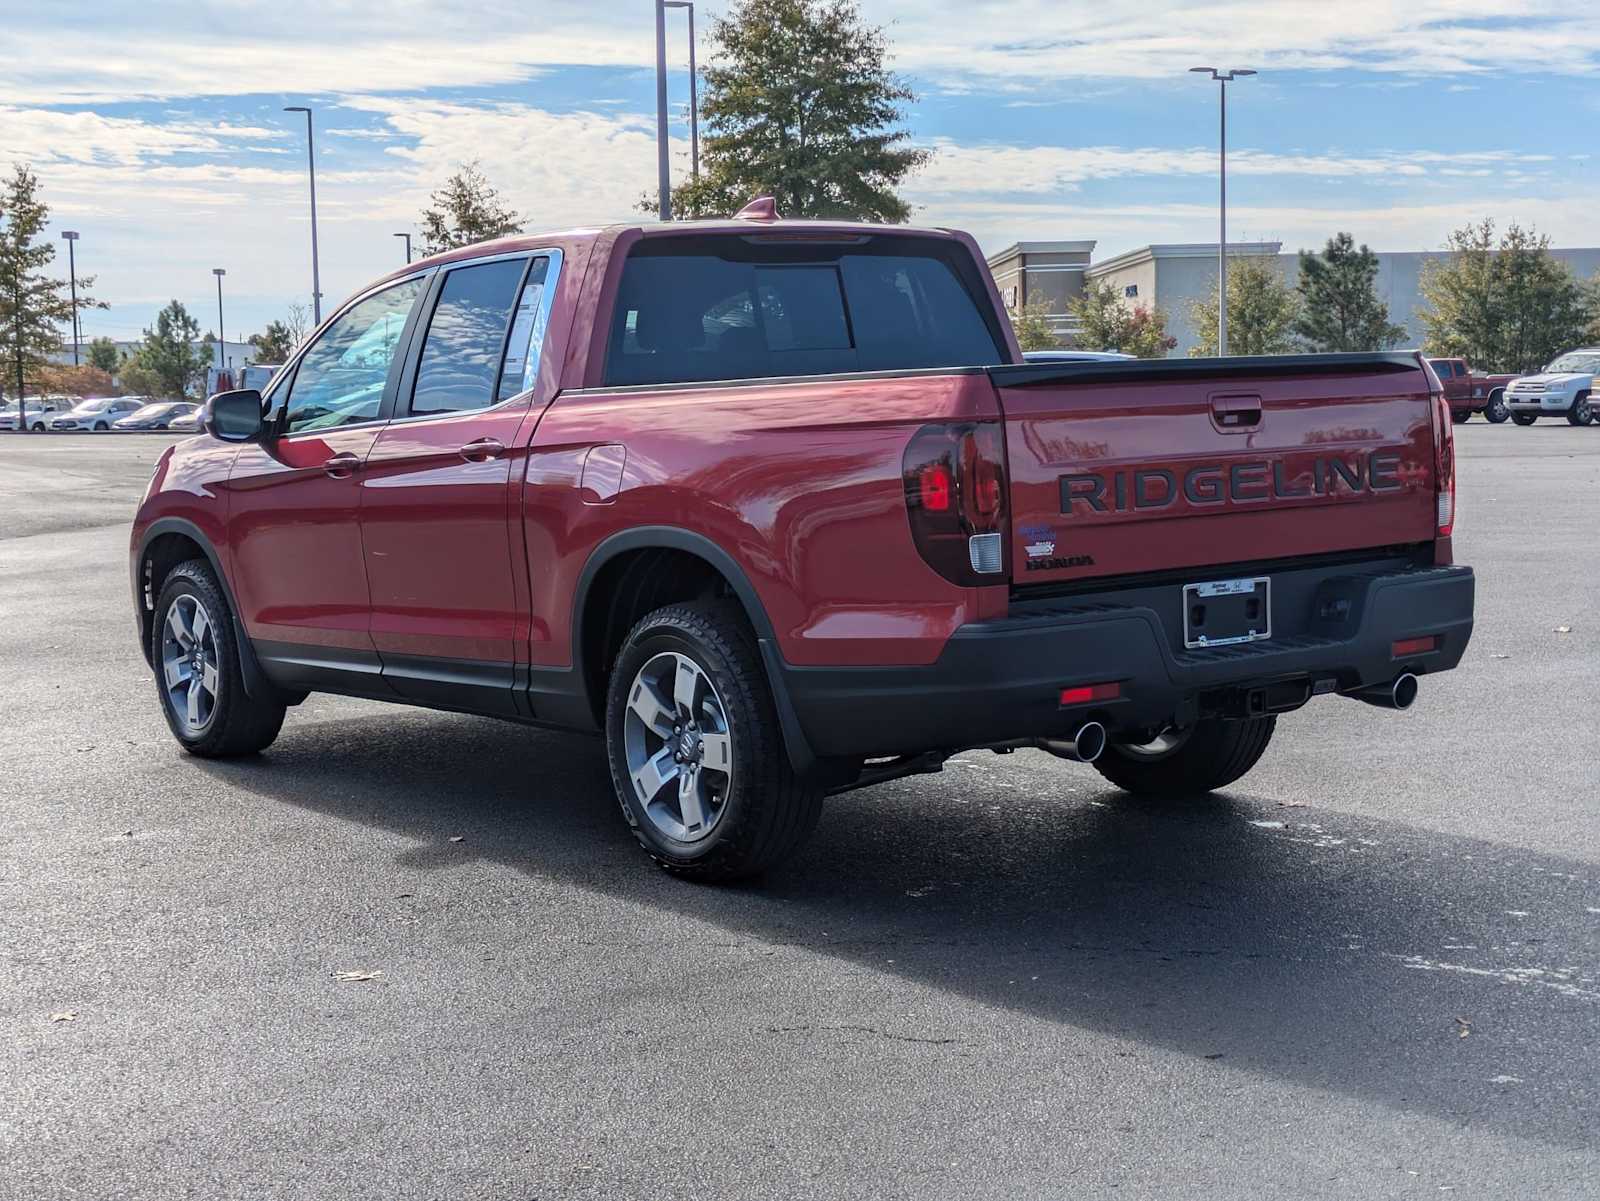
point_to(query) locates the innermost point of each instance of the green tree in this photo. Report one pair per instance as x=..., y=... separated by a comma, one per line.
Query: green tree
x=1032, y=326
x=465, y=210
x=103, y=354
x=798, y=103
x=1339, y=304
x=1505, y=304
x=169, y=357
x=34, y=305
x=274, y=344
x=1262, y=310
x=1106, y=323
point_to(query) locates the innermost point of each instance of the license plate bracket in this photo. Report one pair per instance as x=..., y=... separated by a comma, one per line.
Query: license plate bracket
x=1227, y=612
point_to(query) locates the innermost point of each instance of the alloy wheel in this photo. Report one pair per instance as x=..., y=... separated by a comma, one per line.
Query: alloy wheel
x=678, y=747
x=190, y=666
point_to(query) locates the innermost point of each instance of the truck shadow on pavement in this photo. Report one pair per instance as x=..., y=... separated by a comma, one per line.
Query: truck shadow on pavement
x=1365, y=958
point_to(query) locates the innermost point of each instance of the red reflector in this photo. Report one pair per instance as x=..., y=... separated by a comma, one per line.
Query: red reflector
x=934, y=486
x=1085, y=693
x=1413, y=646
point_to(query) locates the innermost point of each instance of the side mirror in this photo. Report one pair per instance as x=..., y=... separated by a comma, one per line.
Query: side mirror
x=234, y=416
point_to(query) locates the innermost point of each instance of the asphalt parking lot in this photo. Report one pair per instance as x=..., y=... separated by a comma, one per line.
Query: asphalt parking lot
x=1370, y=970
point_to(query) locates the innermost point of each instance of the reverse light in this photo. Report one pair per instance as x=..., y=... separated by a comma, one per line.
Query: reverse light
x=1085, y=694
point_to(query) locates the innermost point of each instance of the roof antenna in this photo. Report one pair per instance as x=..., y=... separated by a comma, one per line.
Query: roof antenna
x=762, y=208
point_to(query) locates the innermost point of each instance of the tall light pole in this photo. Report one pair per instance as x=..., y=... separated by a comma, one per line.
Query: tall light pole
x=71, y=238
x=407, y=237
x=222, y=338
x=1223, y=78
x=311, y=162
x=663, y=169
x=694, y=101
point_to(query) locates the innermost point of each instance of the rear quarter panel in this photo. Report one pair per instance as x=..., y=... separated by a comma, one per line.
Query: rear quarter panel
x=798, y=481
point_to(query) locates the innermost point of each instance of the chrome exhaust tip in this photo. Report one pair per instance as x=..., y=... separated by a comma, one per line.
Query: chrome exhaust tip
x=1399, y=693
x=1086, y=745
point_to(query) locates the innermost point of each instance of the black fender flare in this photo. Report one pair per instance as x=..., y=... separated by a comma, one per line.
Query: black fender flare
x=256, y=683
x=668, y=537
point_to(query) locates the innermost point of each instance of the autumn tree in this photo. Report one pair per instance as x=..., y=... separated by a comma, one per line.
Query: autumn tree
x=466, y=209
x=1262, y=311
x=1505, y=304
x=1105, y=322
x=34, y=304
x=1340, y=308
x=799, y=103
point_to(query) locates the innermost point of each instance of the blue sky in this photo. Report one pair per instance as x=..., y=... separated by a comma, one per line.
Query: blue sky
x=157, y=130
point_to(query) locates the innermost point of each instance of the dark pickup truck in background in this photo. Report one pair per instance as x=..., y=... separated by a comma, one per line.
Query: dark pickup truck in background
x=778, y=509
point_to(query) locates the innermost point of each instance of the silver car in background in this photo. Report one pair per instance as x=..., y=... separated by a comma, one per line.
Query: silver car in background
x=1561, y=390
x=97, y=413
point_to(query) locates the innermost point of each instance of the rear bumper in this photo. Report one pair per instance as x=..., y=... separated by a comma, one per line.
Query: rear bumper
x=997, y=681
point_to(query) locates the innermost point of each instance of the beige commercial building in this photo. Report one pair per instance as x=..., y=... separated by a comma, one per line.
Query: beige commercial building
x=1173, y=276
x=1047, y=272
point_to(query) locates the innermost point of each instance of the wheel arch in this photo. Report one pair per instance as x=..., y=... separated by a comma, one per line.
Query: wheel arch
x=165, y=543
x=637, y=571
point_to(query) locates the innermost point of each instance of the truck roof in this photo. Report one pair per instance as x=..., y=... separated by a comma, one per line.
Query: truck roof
x=649, y=229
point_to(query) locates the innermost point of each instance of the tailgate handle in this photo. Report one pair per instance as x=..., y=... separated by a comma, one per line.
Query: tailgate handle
x=1236, y=412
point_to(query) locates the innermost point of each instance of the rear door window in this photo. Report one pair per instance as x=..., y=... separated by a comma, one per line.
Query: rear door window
x=460, y=367
x=700, y=309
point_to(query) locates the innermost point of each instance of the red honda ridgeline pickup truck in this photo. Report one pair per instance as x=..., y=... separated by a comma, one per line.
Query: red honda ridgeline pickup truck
x=778, y=508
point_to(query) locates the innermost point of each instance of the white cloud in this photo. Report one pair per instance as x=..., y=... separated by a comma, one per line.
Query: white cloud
x=999, y=169
x=168, y=48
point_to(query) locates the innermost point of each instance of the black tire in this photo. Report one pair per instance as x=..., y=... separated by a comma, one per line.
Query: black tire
x=1495, y=410
x=1524, y=418
x=768, y=811
x=1216, y=753
x=1461, y=416
x=38, y=427
x=239, y=724
x=101, y=427
x=1580, y=413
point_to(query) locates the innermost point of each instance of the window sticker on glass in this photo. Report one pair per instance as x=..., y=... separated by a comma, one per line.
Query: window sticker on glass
x=527, y=336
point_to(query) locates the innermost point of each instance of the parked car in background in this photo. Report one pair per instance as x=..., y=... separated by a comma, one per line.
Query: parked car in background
x=158, y=415
x=779, y=509
x=187, y=423
x=1561, y=390
x=97, y=413
x=1467, y=393
x=40, y=411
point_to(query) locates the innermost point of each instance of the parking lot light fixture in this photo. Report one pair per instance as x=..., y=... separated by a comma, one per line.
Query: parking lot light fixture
x=1223, y=78
x=311, y=163
x=407, y=237
x=70, y=236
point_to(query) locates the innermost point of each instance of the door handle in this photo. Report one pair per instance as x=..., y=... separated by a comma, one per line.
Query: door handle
x=1236, y=412
x=342, y=465
x=483, y=450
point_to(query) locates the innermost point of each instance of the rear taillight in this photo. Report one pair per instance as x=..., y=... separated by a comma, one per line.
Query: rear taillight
x=955, y=488
x=1445, y=467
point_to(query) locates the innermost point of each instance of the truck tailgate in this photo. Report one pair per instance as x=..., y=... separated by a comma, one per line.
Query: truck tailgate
x=1129, y=467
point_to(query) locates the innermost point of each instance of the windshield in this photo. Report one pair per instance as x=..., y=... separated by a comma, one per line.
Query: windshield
x=154, y=410
x=1585, y=362
x=97, y=404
